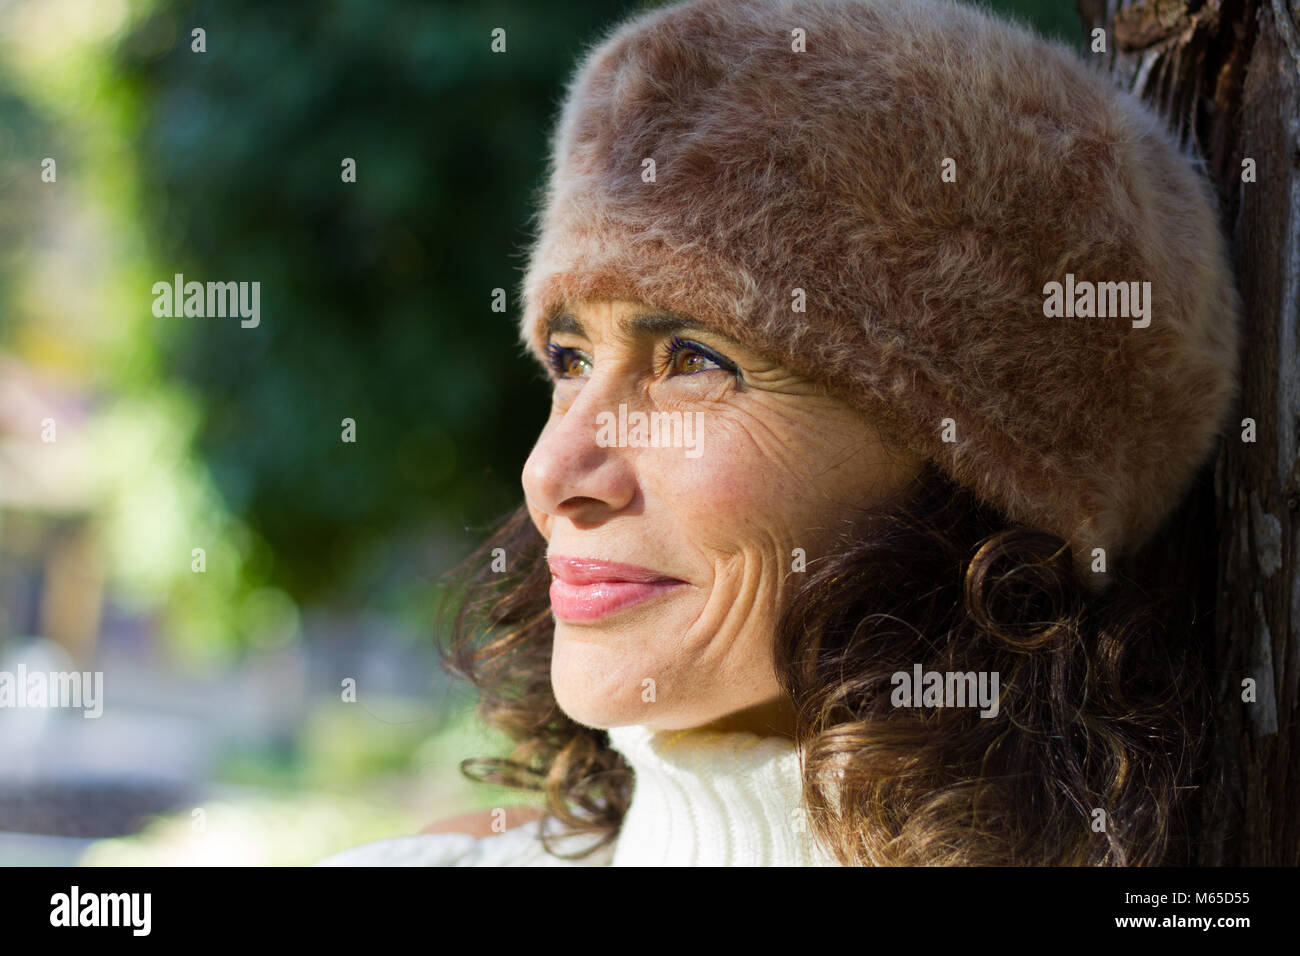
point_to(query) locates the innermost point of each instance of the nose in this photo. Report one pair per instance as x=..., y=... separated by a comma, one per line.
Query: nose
x=568, y=473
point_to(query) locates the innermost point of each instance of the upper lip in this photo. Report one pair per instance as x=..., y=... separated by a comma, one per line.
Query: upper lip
x=594, y=571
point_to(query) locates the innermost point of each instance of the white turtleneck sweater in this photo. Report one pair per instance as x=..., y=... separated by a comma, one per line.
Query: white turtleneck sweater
x=699, y=798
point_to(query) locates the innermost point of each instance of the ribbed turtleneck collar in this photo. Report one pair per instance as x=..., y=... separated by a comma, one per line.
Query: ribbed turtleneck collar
x=704, y=798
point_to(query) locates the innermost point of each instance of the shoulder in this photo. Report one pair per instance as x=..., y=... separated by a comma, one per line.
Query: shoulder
x=486, y=823
x=519, y=846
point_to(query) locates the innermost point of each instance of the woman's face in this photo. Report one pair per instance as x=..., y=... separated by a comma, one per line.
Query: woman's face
x=760, y=463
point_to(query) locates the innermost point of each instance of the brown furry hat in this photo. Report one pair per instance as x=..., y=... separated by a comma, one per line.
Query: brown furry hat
x=927, y=295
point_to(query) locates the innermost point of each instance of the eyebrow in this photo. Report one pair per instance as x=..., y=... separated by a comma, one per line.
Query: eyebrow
x=640, y=323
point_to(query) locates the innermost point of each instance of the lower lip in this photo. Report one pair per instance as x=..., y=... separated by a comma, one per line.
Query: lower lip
x=590, y=602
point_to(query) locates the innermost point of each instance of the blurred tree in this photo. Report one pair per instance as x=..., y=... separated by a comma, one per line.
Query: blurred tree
x=375, y=295
x=21, y=130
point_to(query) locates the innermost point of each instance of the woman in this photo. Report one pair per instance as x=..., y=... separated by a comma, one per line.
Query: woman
x=882, y=335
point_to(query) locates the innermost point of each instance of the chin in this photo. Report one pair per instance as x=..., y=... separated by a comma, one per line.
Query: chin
x=598, y=687
x=596, y=712
x=591, y=691
x=582, y=701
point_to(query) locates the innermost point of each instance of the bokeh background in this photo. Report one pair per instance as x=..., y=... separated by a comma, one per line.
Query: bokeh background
x=225, y=738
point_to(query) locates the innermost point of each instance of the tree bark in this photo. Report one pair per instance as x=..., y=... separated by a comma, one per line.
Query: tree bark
x=1226, y=74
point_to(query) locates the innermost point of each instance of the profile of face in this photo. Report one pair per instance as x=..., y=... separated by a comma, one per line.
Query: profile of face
x=671, y=564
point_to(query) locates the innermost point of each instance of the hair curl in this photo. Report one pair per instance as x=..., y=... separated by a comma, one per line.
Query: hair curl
x=1102, y=702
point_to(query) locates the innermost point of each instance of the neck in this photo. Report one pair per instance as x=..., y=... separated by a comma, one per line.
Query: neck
x=708, y=798
x=774, y=718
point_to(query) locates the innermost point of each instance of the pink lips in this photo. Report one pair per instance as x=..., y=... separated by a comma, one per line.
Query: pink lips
x=587, y=590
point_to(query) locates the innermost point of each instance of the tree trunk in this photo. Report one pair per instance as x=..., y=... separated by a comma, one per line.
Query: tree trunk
x=1226, y=73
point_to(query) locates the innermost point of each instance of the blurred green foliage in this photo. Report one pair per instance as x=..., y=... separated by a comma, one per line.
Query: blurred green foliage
x=376, y=294
x=1057, y=19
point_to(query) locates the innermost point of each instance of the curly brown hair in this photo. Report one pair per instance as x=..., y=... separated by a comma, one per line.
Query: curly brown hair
x=1089, y=761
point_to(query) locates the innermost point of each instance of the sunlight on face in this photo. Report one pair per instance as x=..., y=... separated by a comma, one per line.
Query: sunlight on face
x=672, y=563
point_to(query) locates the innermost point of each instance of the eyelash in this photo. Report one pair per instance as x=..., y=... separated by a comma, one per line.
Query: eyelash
x=558, y=355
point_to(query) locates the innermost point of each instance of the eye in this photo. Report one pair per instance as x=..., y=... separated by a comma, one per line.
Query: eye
x=565, y=362
x=684, y=357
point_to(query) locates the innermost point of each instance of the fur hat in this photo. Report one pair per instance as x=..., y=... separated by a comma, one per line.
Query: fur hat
x=924, y=173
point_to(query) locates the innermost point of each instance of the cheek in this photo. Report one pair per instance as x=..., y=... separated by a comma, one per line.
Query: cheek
x=735, y=491
x=729, y=469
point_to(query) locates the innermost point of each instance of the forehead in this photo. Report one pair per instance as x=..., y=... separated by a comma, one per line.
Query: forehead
x=629, y=318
